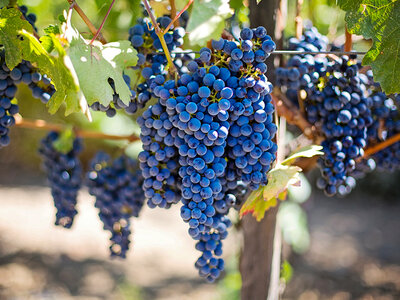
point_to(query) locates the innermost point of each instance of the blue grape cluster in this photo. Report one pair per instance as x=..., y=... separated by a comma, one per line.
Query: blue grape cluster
x=334, y=96
x=64, y=174
x=302, y=70
x=210, y=134
x=116, y=184
x=338, y=106
x=386, y=123
x=8, y=108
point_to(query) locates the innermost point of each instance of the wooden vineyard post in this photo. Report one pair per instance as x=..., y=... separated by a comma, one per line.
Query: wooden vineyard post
x=258, y=247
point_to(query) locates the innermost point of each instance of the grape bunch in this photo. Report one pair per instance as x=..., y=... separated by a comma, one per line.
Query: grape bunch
x=334, y=97
x=386, y=123
x=302, y=70
x=64, y=174
x=116, y=184
x=213, y=125
x=8, y=108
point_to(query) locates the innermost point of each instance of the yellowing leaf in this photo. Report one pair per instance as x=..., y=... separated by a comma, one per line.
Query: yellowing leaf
x=261, y=200
x=307, y=151
x=160, y=7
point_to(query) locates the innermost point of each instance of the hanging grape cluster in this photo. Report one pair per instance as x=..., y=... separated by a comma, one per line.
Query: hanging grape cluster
x=64, y=174
x=116, y=184
x=209, y=132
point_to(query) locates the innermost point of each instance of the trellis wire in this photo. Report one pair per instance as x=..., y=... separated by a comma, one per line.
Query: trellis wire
x=289, y=52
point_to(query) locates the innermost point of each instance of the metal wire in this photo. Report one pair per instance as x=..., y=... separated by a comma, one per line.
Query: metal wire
x=289, y=52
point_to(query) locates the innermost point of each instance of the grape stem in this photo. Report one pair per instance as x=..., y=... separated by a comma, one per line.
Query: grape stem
x=380, y=146
x=85, y=19
x=178, y=15
x=41, y=124
x=349, y=40
x=102, y=23
x=160, y=33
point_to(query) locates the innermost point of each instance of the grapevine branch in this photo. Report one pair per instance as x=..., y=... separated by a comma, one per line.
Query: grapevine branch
x=41, y=124
x=102, y=23
x=378, y=147
x=85, y=19
x=160, y=35
x=298, y=20
x=178, y=15
x=293, y=115
x=173, y=12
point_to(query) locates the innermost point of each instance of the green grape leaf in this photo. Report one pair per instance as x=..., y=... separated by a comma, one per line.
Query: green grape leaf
x=10, y=26
x=378, y=20
x=95, y=64
x=261, y=200
x=47, y=43
x=65, y=141
x=67, y=89
x=307, y=151
x=4, y=3
x=236, y=4
x=207, y=20
x=52, y=29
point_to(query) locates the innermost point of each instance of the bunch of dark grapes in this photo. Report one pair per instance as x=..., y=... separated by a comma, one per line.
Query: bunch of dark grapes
x=8, y=89
x=24, y=72
x=334, y=96
x=64, y=174
x=311, y=40
x=302, y=70
x=215, y=125
x=386, y=123
x=119, y=196
x=339, y=106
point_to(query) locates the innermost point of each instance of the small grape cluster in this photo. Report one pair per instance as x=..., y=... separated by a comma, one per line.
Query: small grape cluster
x=210, y=135
x=116, y=184
x=26, y=73
x=64, y=174
x=30, y=17
x=8, y=108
